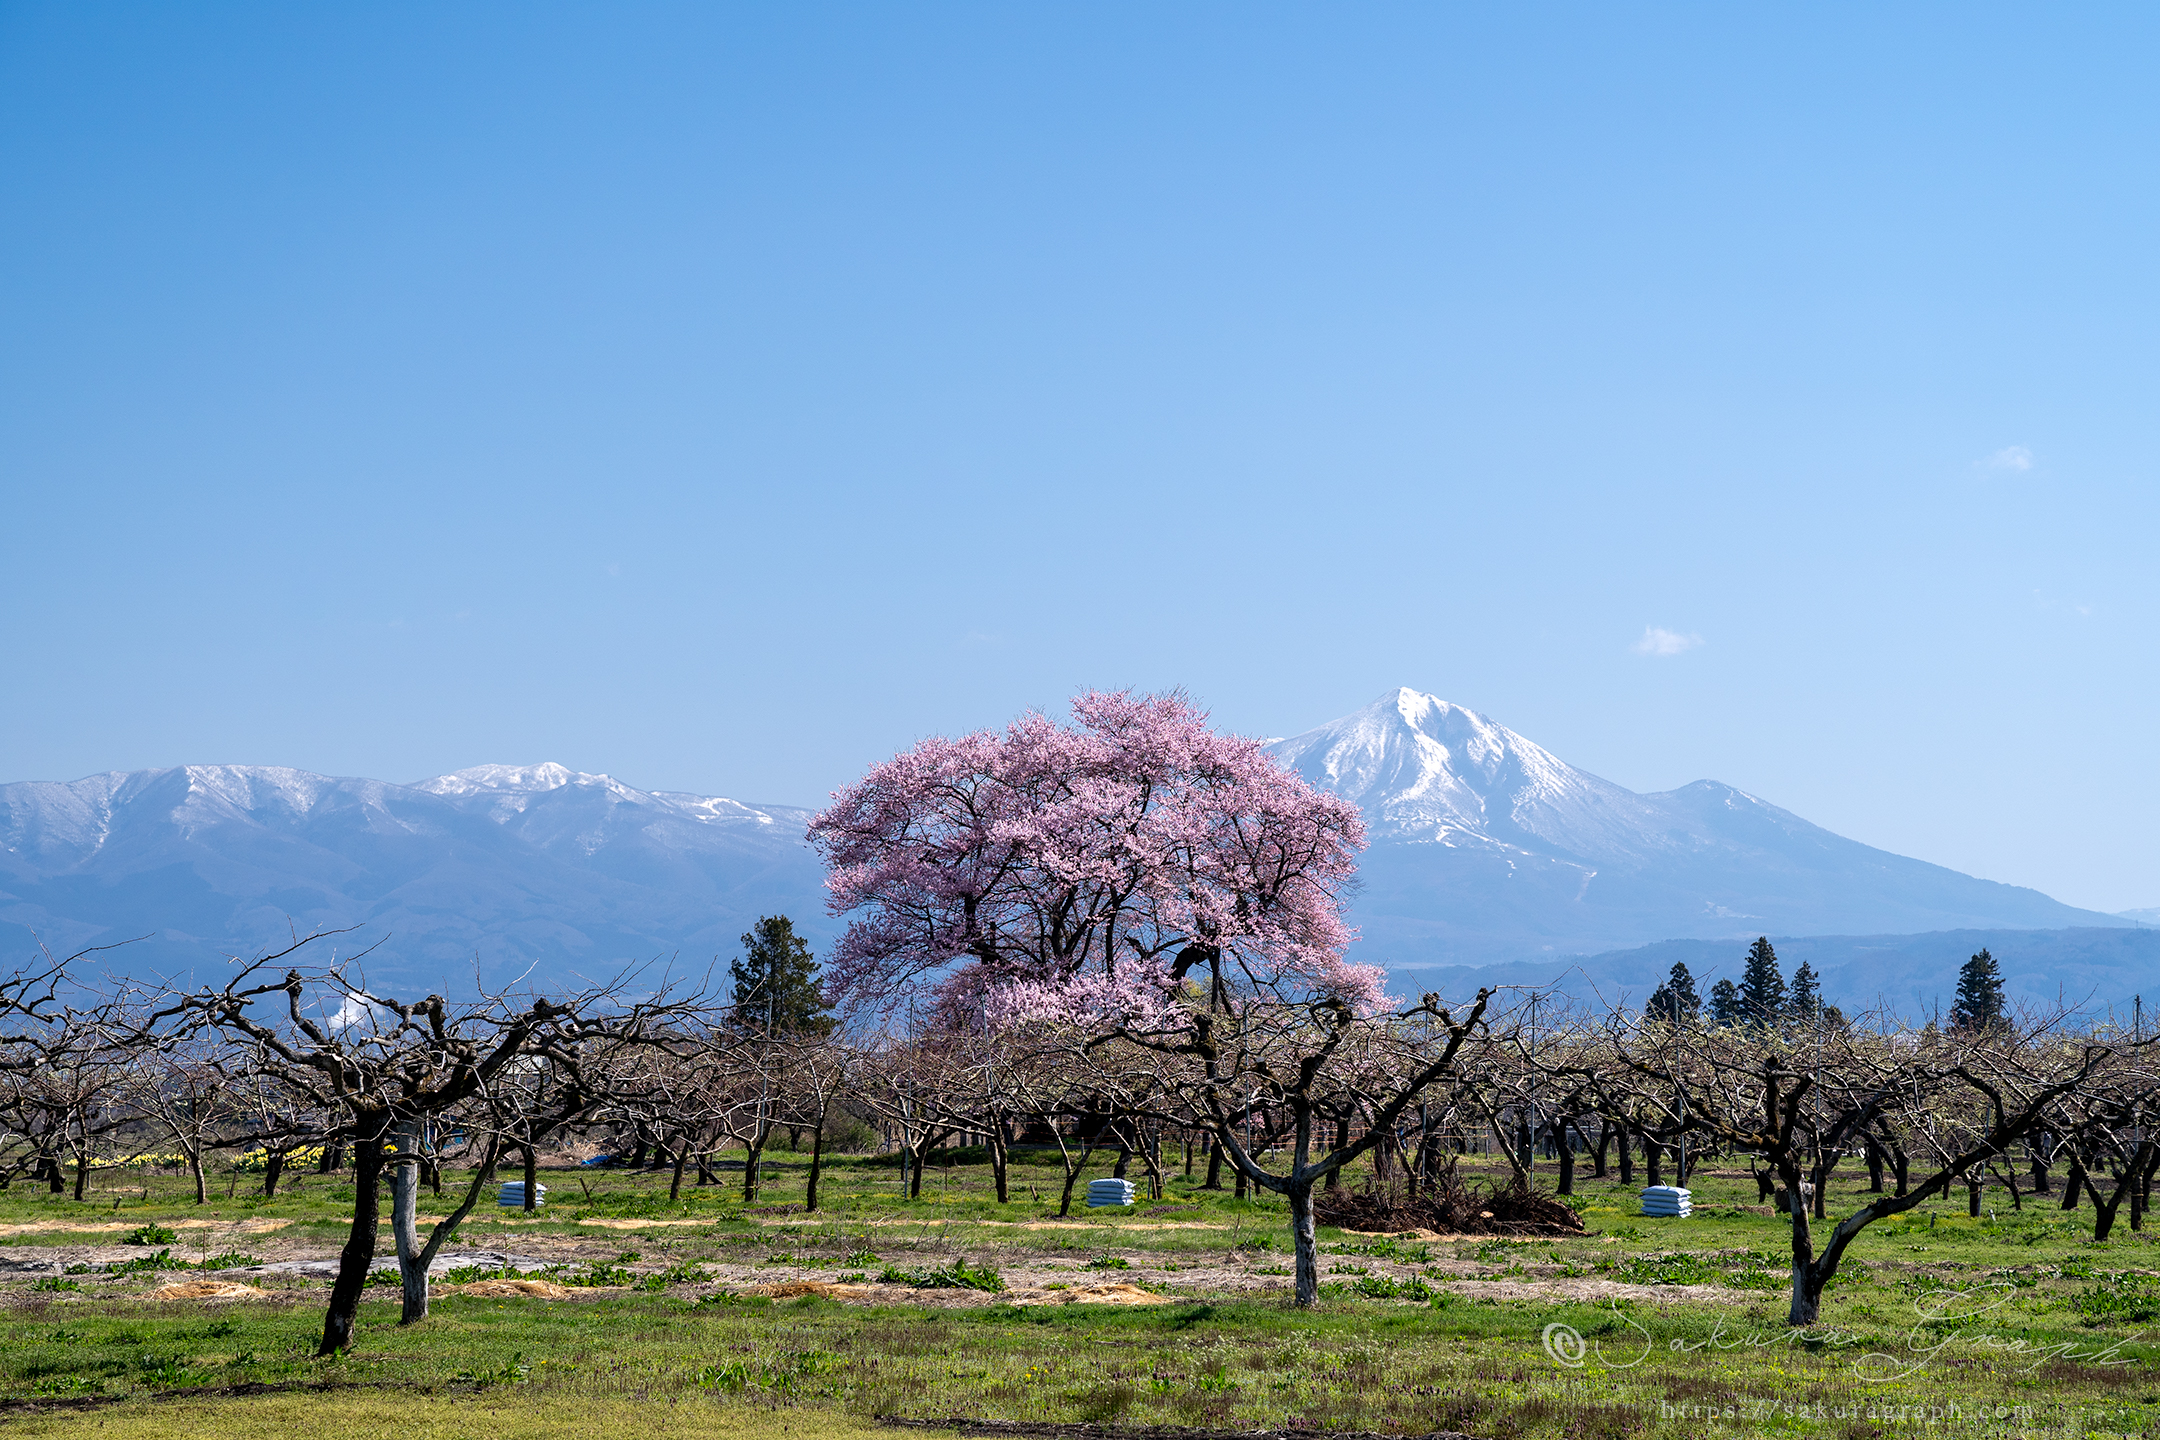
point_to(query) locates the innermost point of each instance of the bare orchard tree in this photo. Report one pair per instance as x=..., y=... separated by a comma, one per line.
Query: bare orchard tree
x=1962, y=1099
x=819, y=1071
x=61, y=1072
x=185, y=1090
x=2114, y=1135
x=390, y=1069
x=1221, y=1049
x=274, y=1116
x=1048, y=1086
x=676, y=1100
x=64, y=1091
x=910, y=1085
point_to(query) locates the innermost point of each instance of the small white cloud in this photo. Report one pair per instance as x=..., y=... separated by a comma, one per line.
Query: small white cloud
x=1656, y=640
x=353, y=1012
x=2010, y=457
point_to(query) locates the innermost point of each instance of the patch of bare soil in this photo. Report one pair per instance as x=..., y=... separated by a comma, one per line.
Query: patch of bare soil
x=509, y=1289
x=1118, y=1294
x=100, y=1227
x=208, y=1290
x=1111, y=1294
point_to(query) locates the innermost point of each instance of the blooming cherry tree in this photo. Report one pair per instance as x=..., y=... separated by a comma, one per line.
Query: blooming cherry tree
x=1148, y=906
x=1123, y=850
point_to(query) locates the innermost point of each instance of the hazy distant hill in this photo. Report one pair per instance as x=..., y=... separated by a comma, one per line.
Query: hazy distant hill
x=1486, y=847
x=507, y=867
x=1914, y=975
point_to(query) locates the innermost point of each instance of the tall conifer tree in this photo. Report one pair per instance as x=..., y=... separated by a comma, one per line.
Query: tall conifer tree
x=1979, y=1004
x=1762, y=986
x=1725, y=1006
x=1675, y=1002
x=776, y=987
x=1805, y=1006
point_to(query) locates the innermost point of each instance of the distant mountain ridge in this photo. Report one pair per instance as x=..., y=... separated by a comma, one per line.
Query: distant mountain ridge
x=1487, y=847
x=496, y=869
x=2095, y=972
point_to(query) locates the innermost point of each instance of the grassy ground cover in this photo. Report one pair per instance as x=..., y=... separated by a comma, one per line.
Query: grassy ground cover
x=2011, y=1324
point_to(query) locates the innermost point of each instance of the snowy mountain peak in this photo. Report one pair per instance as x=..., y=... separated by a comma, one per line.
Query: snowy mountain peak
x=481, y=779
x=1424, y=769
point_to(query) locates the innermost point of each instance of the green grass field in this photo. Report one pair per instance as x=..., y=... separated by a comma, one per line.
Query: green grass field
x=2012, y=1324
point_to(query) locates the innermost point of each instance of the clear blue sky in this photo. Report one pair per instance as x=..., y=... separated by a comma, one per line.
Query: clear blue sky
x=724, y=397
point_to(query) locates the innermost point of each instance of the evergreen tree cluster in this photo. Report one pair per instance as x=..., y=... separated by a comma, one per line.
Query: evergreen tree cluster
x=1675, y=1002
x=1762, y=999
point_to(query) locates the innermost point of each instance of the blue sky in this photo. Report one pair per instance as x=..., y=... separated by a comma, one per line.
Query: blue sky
x=724, y=397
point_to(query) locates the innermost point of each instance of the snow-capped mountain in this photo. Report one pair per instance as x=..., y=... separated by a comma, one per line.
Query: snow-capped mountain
x=1487, y=846
x=499, y=867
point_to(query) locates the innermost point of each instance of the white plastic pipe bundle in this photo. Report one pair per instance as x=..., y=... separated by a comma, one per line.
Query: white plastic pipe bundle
x=1669, y=1201
x=1109, y=1192
x=512, y=1195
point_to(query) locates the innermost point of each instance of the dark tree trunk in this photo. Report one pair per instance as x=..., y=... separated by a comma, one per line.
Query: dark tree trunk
x=2131, y=1184
x=1214, y=1164
x=754, y=1156
x=1342, y=1138
x=358, y=1255
x=532, y=1179
x=1653, y=1155
x=682, y=1158
x=405, y=1222
x=1124, y=1158
x=817, y=1165
x=1972, y=1194
x=1072, y=1173
x=1604, y=1142
x=998, y=1166
x=1874, y=1168
x=1822, y=1184
x=1301, y=1240
x=2072, y=1182
x=2105, y=1207
x=1627, y=1158
x=273, y=1167
x=333, y=1160
x=82, y=1173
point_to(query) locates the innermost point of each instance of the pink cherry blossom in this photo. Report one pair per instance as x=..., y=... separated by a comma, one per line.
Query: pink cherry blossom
x=1098, y=861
